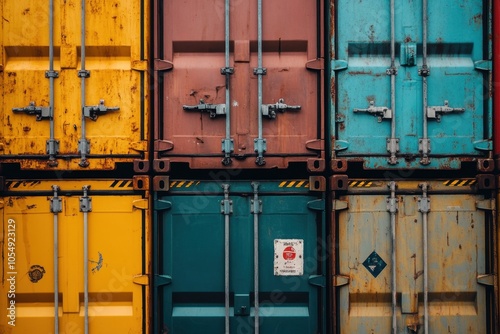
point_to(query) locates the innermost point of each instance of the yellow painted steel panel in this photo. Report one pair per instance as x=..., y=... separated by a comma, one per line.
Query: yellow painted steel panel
x=116, y=46
x=118, y=260
x=457, y=234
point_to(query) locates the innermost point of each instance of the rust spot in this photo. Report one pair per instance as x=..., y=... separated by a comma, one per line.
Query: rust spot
x=26, y=128
x=459, y=246
x=26, y=11
x=33, y=206
x=36, y=273
x=407, y=39
x=193, y=92
x=478, y=18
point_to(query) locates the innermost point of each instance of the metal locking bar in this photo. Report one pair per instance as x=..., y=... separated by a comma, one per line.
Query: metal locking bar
x=270, y=110
x=424, y=208
x=392, y=142
x=392, y=207
x=93, y=112
x=31, y=109
x=227, y=142
x=437, y=112
x=256, y=209
x=226, y=208
x=424, y=72
x=86, y=207
x=55, y=208
x=213, y=109
x=83, y=143
x=379, y=112
x=260, y=145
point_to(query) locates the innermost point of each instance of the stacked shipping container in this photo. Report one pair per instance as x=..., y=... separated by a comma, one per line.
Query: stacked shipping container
x=234, y=228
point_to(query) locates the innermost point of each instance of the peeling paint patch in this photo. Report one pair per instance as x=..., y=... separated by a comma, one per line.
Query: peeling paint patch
x=36, y=273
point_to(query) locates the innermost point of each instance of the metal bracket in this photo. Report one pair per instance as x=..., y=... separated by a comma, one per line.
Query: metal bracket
x=408, y=54
x=85, y=200
x=51, y=74
x=438, y=111
x=424, y=71
x=379, y=112
x=256, y=204
x=260, y=71
x=486, y=279
x=160, y=280
x=39, y=112
x=226, y=70
x=393, y=148
x=56, y=201
x=93, y=112
x=424, y=147
x=270, y=110
x=226, y=205
x=317, y=280
x=392, y=202
x=227, y=148
x=83, y=73
x=52, y=146
x=340, y=280
x=260, y=146
x=424, y=202
x=213, y=109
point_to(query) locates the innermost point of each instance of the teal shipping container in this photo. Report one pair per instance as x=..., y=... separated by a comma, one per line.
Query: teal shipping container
x=411, y=84
x=416, y=257
x=239, y=257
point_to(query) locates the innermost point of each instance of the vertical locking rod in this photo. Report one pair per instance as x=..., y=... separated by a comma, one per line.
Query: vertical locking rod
x=55, y=208
x=259, y=142
x=227, y=143
x=226, y=209
x=256, y=209
x=85, y=207
x=83, y=143
x=424, y=72
x=392, y=207
x=392, y=144
x=424, y=209
x=52, y=144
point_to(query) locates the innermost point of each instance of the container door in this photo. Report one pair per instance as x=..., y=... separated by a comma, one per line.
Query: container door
x=115, y=265
x=191, y=261
x=105, y=78
x=377, y=101
x=458, y=262
x=192, y=107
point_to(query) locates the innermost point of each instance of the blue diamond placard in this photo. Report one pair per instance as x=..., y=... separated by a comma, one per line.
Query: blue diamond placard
x=374, y=264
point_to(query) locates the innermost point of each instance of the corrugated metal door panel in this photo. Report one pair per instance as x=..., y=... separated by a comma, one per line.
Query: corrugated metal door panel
x=191, y=254
x=364, y=87
x=457, y=256
x=197, y=53
x=115, y=300
x=115, y=51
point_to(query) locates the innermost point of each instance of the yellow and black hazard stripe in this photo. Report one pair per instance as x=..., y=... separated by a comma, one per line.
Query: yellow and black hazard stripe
x=24, y=184
x=459, y=182
x=361, y=184
x=183, y=183
x=122, y=184
x=294, y=184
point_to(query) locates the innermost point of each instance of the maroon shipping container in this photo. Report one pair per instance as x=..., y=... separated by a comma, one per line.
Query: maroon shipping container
x=209, y=60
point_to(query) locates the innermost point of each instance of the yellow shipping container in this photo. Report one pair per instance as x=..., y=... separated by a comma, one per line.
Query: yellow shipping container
x=74, y=84
x=86, y=242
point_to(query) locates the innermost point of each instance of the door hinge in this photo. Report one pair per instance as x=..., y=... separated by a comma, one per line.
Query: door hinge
x=85, y=201
x=161, y=205
x=483, y=65
x=142, y=204
x=161, y=65
x=141, y=280
x=317, y=280
x=316, y=64
x=485, y=204
x=338, y=205
x=139, y=146
x=162, y=280
x=340, y=280
x=315, y=145
x=163, y=145
x=483, y=145
x=338, y=65
x=316, y=205
x=341, y=145
x=139, y=65
x=486, y=279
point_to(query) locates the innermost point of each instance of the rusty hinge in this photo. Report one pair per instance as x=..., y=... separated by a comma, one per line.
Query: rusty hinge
x=140, y=146
x=486, y=279
x=340, y=280
x=315, y=145
x=338, y=205
x=162, y=65
x=316, y=64
x=141, y=280
x=142, y=204
x=139, y=65
x=163, y=145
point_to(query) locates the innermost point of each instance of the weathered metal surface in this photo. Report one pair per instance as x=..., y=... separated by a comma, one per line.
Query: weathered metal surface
x=116, y=46
x=460, y=225
x=118, y=257
x=191, y=36
x=369, y=121
x=189, y=251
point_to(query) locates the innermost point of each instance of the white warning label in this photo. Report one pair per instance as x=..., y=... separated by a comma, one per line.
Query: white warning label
x=288, y=257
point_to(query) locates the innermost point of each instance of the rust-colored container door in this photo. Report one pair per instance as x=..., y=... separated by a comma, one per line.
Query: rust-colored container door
x=191, y=107
x=74, y=84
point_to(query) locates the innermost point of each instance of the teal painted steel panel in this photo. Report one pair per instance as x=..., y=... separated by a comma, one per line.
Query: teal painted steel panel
x=457, y=38
x=458, y=255
x=189, y=247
